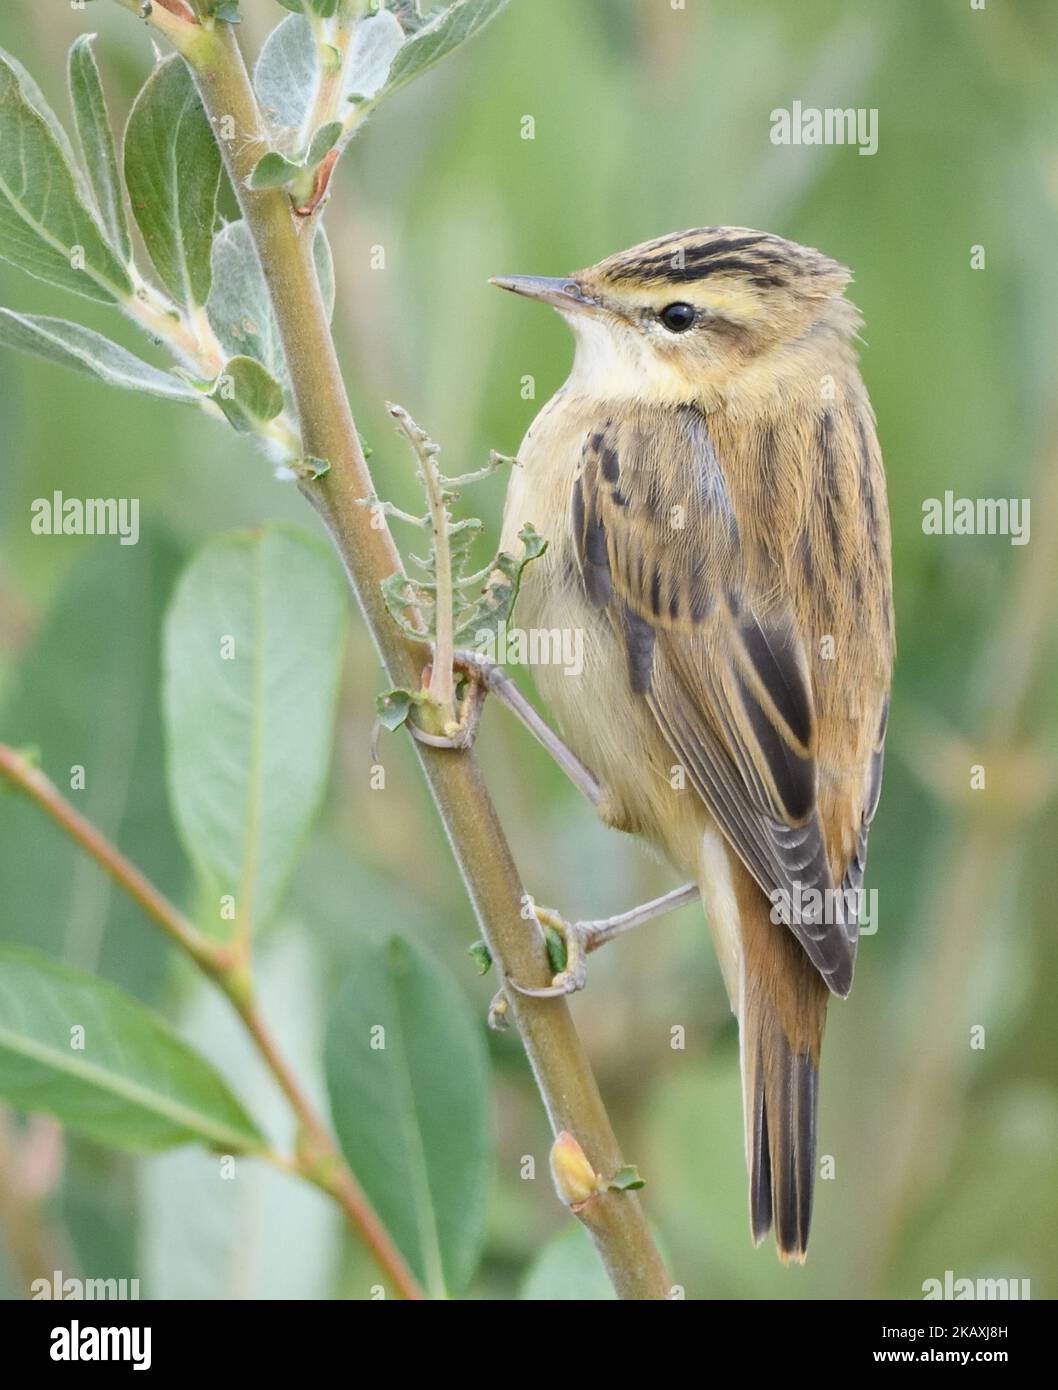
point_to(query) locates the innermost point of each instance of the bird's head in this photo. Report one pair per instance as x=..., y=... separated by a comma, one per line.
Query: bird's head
x=659, y=321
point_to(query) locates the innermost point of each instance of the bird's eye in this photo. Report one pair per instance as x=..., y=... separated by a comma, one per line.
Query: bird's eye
x=677, y=318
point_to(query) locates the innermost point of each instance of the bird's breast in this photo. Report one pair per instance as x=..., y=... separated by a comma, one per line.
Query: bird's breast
x=578, y=659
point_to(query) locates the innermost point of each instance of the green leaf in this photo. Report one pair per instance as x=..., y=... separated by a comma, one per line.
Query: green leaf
x=46, y=227
x=273, y=170
x=496, y=605
x=101, y=635
x=87, y=351
x=568, y=1269
x=400, y=594
x=239, y=307
x=133, y=1083
x=394, y=706
x=411, y=1107
x=172, y=169
x=248, y=394
x=252, y=646
x=36, y=98
x=480, y=954
x=557, y=956
x=322, y=143
x=440, y=37
x=287, y=73
x=627, y=1179
x=97, y=143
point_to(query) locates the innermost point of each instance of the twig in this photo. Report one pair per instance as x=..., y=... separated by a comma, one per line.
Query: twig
x=21, y=773
x=319, y=1159
x=559, y=1062
x=442, y=681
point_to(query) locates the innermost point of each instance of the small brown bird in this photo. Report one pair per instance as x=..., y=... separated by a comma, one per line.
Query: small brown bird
x=711, y=487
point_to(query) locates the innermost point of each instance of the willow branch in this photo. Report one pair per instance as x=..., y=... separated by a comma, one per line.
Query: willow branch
x=319, y=1159
x=558, y=1058
x=21, y=773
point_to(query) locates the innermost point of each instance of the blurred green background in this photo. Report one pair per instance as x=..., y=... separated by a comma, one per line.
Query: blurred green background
x=647, y=119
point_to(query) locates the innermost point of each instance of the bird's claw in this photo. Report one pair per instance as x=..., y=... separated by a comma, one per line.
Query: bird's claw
x=573, y=975
x=565, y=982
x=463, y=733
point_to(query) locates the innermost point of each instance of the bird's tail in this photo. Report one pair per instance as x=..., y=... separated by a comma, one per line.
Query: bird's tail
x=781, y=1007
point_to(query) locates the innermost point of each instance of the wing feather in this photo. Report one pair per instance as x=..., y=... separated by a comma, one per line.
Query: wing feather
x=722, y=667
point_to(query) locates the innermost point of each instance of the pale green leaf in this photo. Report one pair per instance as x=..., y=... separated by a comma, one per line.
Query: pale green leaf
x=36, y=98
x=451, y=28
x=248, y=394
x=239, y=307
x=196, y=1230
x=287, y=73
x=568, y=1269
x=172, y=169
x=87, y=351
x=128, y=1080
x=252, y=646
x=46, y=227
x=97, y=143
x=411, y=1107
x=376, y=41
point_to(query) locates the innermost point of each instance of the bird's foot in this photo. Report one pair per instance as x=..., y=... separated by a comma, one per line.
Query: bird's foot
x=465, y=731
x=568, y=944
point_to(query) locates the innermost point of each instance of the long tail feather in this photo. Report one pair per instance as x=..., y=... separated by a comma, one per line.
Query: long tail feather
x=782, y=1012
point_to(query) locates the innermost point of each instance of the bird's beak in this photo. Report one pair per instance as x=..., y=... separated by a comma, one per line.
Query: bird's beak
x=565, y=295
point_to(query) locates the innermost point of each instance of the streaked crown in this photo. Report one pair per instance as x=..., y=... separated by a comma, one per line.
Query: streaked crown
x=722, y=254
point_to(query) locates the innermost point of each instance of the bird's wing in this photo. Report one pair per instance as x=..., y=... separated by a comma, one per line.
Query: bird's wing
x=722, y=667
x=857, y=865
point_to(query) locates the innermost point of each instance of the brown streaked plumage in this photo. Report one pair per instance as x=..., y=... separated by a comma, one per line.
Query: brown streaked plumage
x=710, y=483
